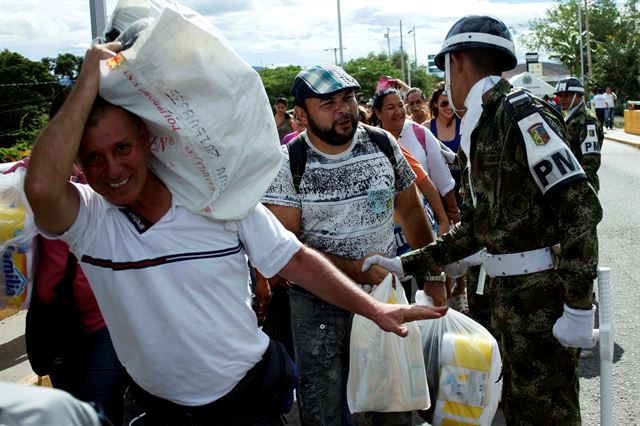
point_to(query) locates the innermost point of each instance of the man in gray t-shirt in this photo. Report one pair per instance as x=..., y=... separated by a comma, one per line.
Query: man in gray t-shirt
x=344, y=207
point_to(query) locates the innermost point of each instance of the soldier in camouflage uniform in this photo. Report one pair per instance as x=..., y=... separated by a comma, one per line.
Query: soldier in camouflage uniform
x=529, y=204
x=585, y=135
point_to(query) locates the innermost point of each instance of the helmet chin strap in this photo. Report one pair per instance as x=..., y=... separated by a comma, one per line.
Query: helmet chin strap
x=447, y=85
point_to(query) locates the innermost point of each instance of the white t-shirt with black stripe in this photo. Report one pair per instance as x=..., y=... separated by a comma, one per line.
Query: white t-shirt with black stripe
x=175, y=295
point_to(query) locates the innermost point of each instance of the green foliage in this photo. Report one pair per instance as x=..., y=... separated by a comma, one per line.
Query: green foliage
x=66, y=64
x=277, y=82
x=26, y=89
x=614, y=35
x=368, y=71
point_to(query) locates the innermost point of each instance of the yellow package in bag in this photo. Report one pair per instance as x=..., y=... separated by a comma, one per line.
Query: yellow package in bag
x=463, y=367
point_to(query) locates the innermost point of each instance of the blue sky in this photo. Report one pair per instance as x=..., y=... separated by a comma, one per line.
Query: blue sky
x=274, y=32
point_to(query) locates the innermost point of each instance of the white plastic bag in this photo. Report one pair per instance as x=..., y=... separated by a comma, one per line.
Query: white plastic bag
x=17, y=231
x=463, y=367
x=214, y=138
x=386, y=371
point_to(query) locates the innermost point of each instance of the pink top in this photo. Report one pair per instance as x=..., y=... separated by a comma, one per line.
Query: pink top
x=50, y=269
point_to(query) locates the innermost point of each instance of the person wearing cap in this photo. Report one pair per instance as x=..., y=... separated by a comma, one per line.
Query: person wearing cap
x=172, y=285
x=343, y=206
x=585, y=135
x=529, y=208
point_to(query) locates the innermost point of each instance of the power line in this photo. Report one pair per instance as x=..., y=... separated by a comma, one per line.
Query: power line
x=28, y=101
x=38, y=83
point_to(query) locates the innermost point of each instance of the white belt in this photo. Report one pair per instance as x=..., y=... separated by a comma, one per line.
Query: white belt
x=526, y=262
x=504, y=265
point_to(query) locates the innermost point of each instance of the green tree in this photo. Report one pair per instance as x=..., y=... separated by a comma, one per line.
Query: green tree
x=614, y=35
x=277, y=82
x=26, y=89
x=368, y=71
x=65, y=65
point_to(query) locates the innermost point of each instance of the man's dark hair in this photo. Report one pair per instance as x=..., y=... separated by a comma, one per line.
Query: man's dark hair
x=485, y=61
x=97, y=109
x=282, y=100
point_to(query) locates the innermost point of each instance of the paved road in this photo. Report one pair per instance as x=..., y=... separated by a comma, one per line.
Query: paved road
x=619, y=235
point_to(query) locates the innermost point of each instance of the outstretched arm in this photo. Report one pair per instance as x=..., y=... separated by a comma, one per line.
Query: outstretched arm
x=315, y=273
x=54, y=202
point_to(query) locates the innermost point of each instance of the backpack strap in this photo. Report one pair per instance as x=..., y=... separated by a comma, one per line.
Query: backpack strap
x=419, y=135
x=297, y=160
x=381, y=139
x=298, y=153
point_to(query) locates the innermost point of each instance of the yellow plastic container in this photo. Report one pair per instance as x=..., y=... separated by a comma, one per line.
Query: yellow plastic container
x=15, y=260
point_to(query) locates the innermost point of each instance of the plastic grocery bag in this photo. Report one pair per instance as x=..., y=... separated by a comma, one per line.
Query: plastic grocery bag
x=17, y=230
x=386, y=371
x=463, y=367
x=214, y=138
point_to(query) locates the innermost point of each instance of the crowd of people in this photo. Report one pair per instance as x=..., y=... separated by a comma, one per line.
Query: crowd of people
x=411, y=186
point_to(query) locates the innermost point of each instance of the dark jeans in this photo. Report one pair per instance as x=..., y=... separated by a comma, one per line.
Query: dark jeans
x=611, y=112
x=601, y=113
x=253, y=401
x=101, y=379
x=321, y=335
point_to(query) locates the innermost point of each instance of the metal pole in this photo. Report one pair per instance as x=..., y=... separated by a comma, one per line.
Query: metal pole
x=404, y=75
x=98, y=11
x=415, y=48
x=586, y=21
x=605, y=334
x=388, y=43
x=581, y=47
x=340, y=35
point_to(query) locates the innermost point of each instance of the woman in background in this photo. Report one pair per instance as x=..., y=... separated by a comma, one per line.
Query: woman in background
x=283, y=118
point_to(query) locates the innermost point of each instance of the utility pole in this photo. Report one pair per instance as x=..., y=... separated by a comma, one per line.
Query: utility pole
x=98, y=11
x=340, y=35
x=415, y=48
x=586, y=20
x=335, y=53
x=388, y=42
x=404, y=76
x=581, y=47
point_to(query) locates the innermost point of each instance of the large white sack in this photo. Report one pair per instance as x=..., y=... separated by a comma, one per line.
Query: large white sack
x=214, y=138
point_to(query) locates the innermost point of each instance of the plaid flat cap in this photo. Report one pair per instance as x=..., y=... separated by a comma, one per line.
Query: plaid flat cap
x=319, y=81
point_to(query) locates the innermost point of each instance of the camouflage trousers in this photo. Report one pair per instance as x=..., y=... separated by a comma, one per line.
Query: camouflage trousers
x=540, y=376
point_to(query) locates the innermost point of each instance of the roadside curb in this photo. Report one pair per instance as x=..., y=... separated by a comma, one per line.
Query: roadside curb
x=620, y=140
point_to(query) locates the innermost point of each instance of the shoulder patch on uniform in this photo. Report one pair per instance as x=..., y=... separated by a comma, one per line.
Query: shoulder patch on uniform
x=550, y=160
x=539, y=134
x=590, y=144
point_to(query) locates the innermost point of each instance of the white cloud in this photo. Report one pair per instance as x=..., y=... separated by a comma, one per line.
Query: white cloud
x=271, y=31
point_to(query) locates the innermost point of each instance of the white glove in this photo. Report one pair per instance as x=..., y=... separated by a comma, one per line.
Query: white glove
x=447, y=153
x=574, y=329
x=393, y=264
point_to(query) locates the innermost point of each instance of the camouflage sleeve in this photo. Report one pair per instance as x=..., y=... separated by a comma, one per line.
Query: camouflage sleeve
x=591, y=155
x=456, y=244
x=577, y=212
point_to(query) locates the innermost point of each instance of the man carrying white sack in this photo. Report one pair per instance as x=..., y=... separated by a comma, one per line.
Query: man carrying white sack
x=173, y=285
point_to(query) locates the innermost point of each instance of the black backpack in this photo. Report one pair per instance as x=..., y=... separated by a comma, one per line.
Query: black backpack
x=298, y=153
x=54, y=332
